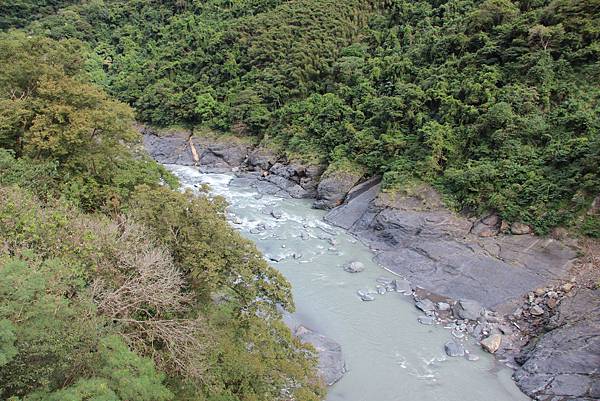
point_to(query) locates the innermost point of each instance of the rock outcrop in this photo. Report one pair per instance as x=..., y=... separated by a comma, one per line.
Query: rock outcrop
x=215, y=155
x=333, y=187
x=564, y=363
x=331, y=362
x=295, y=179
x=224, y=154
x=417, y=238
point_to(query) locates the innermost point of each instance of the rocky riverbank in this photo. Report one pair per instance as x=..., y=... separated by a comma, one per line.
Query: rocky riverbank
x=494, y=281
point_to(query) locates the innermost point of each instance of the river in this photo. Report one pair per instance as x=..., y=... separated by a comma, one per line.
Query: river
x=389, y=355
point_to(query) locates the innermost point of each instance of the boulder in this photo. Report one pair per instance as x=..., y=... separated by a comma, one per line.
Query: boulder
x=468, y=309
x=334, y=186
x=492, y=343
x=402, y=286
x=483, y=230
x=520, y=229
x=536, y=310
x=331, y=361
x=261, y=159
x=354, y=267
x=453, y=349
x=426, y=305
x=491, y=220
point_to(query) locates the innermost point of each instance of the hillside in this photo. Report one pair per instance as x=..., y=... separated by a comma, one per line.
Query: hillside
x=114, y=285
x=494, y=102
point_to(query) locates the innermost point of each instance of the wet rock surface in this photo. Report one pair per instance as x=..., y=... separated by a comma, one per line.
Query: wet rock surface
x=331, y=361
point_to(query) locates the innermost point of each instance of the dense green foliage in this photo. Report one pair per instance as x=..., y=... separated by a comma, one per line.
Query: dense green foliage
x=494, y=102
x=18, y=13
x=113, y=285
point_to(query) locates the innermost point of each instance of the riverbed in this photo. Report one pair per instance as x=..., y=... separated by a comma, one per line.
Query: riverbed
x=389, y=355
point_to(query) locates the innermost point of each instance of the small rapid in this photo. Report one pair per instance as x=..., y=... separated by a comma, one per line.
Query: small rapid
x=389, y=355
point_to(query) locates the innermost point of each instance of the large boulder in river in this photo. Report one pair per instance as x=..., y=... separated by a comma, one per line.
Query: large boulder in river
x=564, y=363
x=334, y=186
x=354, y=267
x=331, y=362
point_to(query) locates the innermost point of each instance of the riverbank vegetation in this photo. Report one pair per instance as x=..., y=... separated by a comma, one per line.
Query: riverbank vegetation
x=113, y=284
x=494, y=102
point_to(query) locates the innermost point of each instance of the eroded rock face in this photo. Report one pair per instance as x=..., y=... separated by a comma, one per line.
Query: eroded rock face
x=214, y=155
x=171, y=149
x=333, y=187
x=565, y=362
x=297, y=180
x=416, y=237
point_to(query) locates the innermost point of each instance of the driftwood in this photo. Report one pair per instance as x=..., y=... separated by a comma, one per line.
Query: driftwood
x=194, y=152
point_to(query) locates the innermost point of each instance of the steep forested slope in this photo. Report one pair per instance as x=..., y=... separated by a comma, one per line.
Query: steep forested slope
x=495, y=102
x=113, y=284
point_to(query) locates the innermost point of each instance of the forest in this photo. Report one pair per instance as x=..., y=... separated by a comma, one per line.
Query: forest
x=493, y=102
x=117, y=286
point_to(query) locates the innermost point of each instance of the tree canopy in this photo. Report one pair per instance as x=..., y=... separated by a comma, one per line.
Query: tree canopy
x=494, y=102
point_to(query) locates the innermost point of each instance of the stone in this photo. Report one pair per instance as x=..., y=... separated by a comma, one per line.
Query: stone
x=567, y=287
x=425, y=305
x=427, y=320
x=443, y=306
x=552, y=302
x=276, y=214
x=331, y=365
x=492, y=343
x=483, y=230
x=468, y=309
x=536, y=310
x=520, y=228
x=491, y=220
x=354, y=267
x=402, y=286
x=453, y=349
x=334, y=186
x=365, y=296
x=261, y=159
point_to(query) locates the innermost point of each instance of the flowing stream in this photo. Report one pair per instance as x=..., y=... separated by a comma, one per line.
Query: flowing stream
x=389, y=355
